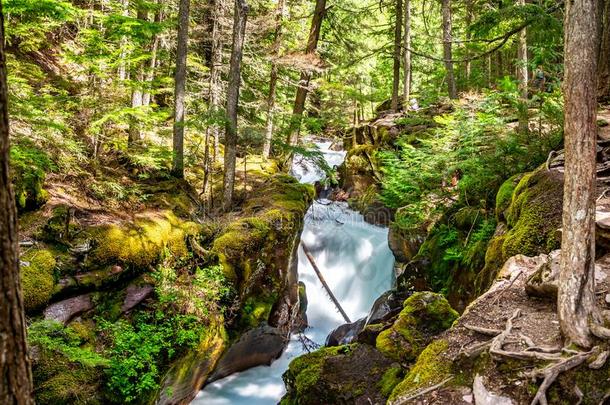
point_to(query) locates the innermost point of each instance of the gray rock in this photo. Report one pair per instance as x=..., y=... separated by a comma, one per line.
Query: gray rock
x=64, y=311
x=484, y=397
x=134, y=295
x=257, y=347
x=346, y=333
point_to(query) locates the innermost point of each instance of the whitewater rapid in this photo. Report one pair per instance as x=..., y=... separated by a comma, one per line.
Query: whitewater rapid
x=357, y=264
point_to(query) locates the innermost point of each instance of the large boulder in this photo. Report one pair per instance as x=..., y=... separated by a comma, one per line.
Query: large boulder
x=530, y=219
x=424, y=315
x=353, y=374
x=257, y=347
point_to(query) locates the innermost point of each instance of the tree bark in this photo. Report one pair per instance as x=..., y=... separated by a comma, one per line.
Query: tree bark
x=469, y=16
x=522, y=76
x=215, y=84
x=154, y=48
x=123, y=64
x=407, y=55
x=301, y=96
x=447, y=48
x=603, y=76
x=398, y=40
x=239, y=33
x=15, y=372
x=277, y=44
x=576, y=296
x=180, y=89
x=135, y=127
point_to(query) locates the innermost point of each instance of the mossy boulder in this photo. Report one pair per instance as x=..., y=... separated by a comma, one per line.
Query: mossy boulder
x=353, y=374
x=429, y=369
x=255, y=250
x=37, y=278
x=424, y=315
x=534, y=215
x=529, y=221
x=505, y=195
x=141, y=243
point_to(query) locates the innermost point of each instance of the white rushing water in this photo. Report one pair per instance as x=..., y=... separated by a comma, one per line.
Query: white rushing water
x=358, y=266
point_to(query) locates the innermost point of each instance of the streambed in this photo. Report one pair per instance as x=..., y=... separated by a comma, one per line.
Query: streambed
x=357, y=264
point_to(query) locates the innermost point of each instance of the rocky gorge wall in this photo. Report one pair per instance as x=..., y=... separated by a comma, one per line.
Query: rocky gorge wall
x=165, y=289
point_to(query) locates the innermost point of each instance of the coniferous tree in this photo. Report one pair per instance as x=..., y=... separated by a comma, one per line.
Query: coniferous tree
x=277, y=43
x=15, y=373
x=303, y=88
x=239, y=34
x=398, y=42
x=576, y=297
x=448, y=47
x=180, y=88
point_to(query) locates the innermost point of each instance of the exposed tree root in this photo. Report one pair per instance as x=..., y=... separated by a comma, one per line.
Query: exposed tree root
x=553, y=354
x=551, y=372
x=483, y=331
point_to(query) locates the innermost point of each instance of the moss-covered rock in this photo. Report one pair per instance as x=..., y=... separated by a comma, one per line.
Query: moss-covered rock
x=505, y=195
x=354, y=374
x=534, y=214
x=141, y=244
x=532, y=217
x=37, y=278
x=429, y=369
x=424, y=315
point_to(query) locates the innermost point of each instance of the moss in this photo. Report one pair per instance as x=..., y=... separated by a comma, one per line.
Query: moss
x=37, y=280
x=256, y=310
x=505, y=195
x=85, y=330
x=534, y=214
x=143, y=242
x=391, y=378
x=429, y=369
x=494, y=259
x=304, y=371
x=424, y=315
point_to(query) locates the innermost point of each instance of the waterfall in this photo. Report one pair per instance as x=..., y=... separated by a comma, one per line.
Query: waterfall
x=358, y=266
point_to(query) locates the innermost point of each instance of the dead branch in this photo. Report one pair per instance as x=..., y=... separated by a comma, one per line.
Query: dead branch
x=419, y=393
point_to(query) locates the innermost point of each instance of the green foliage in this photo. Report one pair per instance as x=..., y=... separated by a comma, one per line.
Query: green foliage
x=53, y=336
x=139, y=351
x=31, y=20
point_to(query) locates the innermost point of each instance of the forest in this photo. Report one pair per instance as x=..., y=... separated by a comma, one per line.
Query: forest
x=316, y=202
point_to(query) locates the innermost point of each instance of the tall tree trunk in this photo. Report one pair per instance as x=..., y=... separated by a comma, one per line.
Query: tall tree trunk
x=123, y=64
x=603, y=76
x=398, y=40
x=215, y=84
x=447, y=48
x=180, y=89
x=469, y=17
x=523, y=77
x=135, y=127
x=15, y=372
x=407, y=56
x=239, y=33
x=576, y=298
x=277, y=44
x=154, y=48
x=301, y=96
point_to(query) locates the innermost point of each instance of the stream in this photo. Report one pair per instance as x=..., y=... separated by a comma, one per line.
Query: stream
x=357, y=264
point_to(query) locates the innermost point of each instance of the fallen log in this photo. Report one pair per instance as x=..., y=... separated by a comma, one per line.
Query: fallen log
x=326, y=287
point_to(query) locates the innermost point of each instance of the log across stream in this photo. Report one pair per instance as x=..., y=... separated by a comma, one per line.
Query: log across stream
x=357, y=264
